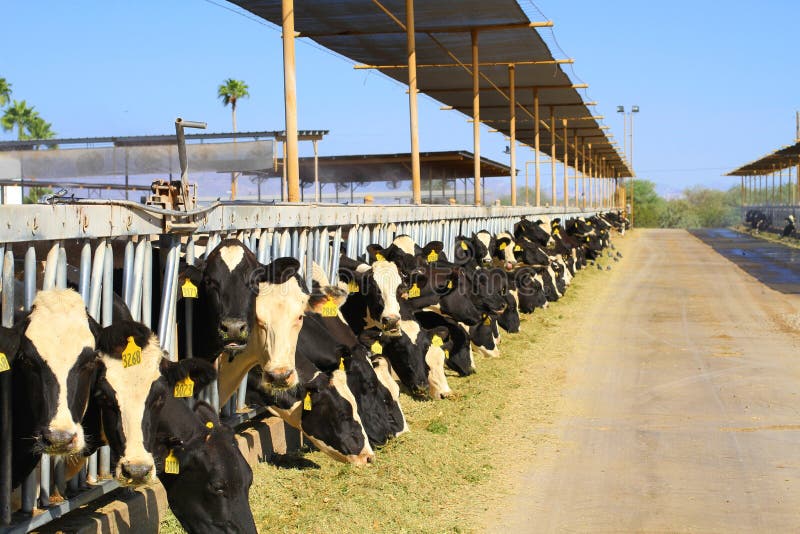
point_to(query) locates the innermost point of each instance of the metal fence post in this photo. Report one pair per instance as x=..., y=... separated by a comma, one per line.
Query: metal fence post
x=29, y=484
x=5, y=391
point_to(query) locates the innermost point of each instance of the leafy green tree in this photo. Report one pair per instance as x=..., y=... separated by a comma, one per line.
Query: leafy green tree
x=5, y=92
x=647, y=205
x=35, y=193
x=18, y=115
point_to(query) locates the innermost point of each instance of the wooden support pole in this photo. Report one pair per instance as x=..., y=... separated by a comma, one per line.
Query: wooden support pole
x=554, y=197
x=576, y=169
x=317, y=192
x=411, y=49
x=536, y=146
x=583, y=177
x=291, y=161
x=566, y=164
x=476, y=117
x=513, y=132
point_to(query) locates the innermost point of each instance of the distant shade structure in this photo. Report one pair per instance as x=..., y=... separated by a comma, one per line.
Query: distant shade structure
x=142, y=160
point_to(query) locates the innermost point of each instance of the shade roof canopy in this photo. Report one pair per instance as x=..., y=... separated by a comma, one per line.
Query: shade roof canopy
x=373, y=32
x=783, y=158
x=394, y=167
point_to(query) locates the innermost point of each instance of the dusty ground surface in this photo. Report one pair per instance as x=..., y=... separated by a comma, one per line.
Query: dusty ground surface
x=681, y=410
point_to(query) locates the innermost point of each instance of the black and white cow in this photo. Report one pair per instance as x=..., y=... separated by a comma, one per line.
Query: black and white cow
x=52, y=374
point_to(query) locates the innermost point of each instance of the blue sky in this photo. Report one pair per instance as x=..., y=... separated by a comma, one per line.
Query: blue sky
x=717, y=82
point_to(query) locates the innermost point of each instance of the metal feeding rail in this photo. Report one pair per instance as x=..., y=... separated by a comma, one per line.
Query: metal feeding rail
x=84, y=243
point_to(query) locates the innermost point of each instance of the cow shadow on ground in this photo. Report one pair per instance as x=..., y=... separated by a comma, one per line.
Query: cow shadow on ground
x=292, y=460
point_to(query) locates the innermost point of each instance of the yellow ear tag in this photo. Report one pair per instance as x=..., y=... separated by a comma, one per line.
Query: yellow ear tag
x=379, y=257
x=487, y=321
x=341, y=364
x=589, y=223
x=307, y=402
x=4, y=363
x=502, y=246
x=189, y=290
x=209, y=425
x=171, y=464
x=517, y=248
x=352, y=286
x=413, y=292
x=464, y=245
x=433, y=256
x=330, y=309
x=449, y=284
x=376, y=348
x=132, y=355
x=556, y=233
x=184, y=388
x=436, y=341
x=446, y=354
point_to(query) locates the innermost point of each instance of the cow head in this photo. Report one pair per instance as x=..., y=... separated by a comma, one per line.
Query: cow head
x=226, y=283
x=487, y=287
x=538, y=231
x=504, y=249
x=374, y=401
x=484, y=243
x=131, y=397
x=331, y=420
x=210, y=491
x=55, y=367
x=529, y=290
x=383, y=287
x=279, y=309
x=435, y=361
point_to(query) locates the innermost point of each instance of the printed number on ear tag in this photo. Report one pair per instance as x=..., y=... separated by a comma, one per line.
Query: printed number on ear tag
x=436, y=341
x=376, y=348
x=433, y=256
x=4, y=363
x=171, y=464
x=132, y=355
x=189, y=290
x=330, y=309
x=352, y=286
x=413, y=292
x=464, y=245
x=379, y=257
x=307, y=403
x=341, y=364
x=502, y=246
x=184, y=388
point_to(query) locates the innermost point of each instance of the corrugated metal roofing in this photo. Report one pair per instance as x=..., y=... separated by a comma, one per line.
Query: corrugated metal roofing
x=363, y=32
x=780, y=159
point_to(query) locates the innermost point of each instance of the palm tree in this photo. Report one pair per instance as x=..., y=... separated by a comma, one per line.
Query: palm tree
x=5, y=92
x=38, y=128
x=20, y=115
x=230, y=92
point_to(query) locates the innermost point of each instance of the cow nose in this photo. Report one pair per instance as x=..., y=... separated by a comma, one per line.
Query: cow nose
x=389, y=322
x=58, y=438
x=233, y=328
x=279, y=376
x=136, y=471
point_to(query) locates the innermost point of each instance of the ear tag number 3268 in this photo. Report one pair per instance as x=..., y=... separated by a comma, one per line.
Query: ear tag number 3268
x=132, y=355
x=184, y=388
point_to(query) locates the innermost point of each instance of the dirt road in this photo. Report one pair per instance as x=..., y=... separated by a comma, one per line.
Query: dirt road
x=682, y=406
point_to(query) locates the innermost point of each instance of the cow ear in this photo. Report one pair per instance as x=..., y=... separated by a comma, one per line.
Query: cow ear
x=277, y=272
x=320, y=381
x=441, y=331
x=207, y=414
x=192, y=273
x=114, y=338
x=369, y=336
x=200, y=371
x=9, y=343
x=323, y=294
x=94, y=327
x=376, y=252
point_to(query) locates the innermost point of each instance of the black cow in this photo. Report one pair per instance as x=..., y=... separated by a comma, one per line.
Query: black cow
x=789, y=229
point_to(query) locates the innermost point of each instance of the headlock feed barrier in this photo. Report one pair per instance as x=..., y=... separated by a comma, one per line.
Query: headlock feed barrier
x=83, y=244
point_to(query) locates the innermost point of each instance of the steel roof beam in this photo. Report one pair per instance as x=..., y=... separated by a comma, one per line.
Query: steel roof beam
x=432, y=29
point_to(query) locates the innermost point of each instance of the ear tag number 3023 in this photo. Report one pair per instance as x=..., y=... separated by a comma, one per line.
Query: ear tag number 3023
x=171, y=465
x=184, y=388
x=132, y=355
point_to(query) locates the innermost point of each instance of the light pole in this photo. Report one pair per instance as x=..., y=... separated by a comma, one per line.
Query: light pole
x=628, y=147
